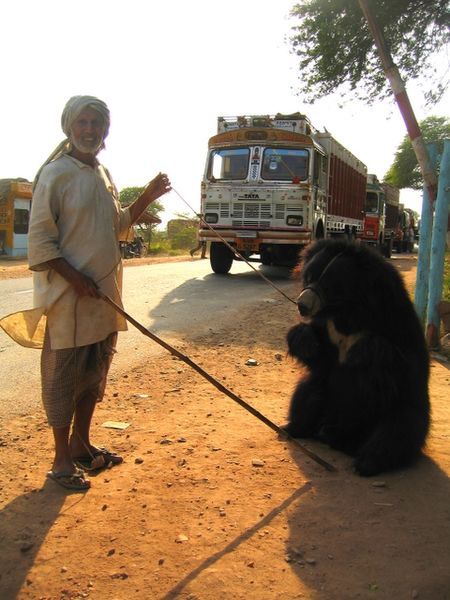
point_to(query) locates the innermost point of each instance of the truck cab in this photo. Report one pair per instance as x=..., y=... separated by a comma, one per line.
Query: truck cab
x=265, y=189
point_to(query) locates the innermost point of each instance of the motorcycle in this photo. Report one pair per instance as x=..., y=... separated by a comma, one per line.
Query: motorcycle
x=133, y=249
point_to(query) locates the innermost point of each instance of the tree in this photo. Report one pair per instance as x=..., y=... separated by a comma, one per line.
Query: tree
x=150, y=218
x=182, y=232
x=404, y=171
x=336, y=49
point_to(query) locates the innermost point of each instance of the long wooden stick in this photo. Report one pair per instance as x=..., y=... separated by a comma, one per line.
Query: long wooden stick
x=217, y=384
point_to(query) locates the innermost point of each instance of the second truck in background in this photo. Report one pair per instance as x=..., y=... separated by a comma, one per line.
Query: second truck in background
x=381, y=215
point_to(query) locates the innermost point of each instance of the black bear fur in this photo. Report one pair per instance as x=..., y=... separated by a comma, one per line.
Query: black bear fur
x=366, y=392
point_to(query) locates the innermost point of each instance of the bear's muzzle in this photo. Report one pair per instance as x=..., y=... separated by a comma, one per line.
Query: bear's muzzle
x=310, y=301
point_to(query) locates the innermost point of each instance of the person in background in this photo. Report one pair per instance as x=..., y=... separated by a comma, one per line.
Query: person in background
x=76, y=224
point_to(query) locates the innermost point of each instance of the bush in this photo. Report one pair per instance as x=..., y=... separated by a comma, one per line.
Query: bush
x=181, y=242
x=446, y=283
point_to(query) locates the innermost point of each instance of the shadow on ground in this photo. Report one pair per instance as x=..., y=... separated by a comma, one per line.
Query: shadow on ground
x=24, y=525
x=354, y=537
x=197, y=307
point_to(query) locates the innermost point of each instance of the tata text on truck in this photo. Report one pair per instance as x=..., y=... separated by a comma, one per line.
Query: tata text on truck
x=272, y=184
x=380, y=215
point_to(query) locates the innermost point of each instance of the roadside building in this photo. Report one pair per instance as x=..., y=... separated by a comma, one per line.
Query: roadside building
x=15, y=206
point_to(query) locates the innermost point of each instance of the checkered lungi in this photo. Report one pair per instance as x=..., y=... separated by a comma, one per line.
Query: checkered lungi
x=73, y=374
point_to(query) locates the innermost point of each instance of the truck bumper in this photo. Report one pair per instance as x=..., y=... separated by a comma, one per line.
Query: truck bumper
x=250, y=241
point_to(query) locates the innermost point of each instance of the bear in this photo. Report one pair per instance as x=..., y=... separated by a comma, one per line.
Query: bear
x=366, y=388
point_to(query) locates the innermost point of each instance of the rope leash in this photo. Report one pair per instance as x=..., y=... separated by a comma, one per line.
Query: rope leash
x=217, y=384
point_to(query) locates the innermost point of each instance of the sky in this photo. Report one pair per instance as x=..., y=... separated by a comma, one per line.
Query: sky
x=167, y=70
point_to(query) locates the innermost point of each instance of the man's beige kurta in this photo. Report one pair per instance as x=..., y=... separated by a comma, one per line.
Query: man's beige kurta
x=75, y=214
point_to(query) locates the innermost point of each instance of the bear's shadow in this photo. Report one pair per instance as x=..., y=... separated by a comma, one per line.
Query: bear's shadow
x=353, y=536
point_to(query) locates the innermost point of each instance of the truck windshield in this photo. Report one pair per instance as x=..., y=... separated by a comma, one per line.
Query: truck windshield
x=371, y=202
x=230, y=163
x=285, y=164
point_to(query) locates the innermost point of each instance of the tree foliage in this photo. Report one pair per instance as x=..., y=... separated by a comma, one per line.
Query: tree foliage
x=182, y=232
x=129, y=194
x=335, y=47
x=404, y=171
x=145, y=225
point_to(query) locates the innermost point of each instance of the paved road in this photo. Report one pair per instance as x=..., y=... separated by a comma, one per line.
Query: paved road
x=174, y=300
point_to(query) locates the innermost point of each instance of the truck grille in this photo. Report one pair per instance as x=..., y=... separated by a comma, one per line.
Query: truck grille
x=223, y=208
x=251, y=214
x=280, y=211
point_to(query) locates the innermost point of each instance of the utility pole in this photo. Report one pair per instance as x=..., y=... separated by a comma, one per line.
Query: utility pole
x=428, y=284
x=401, y=97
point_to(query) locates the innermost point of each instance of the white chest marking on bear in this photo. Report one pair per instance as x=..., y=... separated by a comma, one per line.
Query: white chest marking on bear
x=341, y=341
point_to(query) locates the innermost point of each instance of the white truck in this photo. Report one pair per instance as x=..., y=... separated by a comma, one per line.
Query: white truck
x=272, y=184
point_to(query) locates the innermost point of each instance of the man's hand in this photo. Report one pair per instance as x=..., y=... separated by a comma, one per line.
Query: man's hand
x=157, y=187
x=82, y=284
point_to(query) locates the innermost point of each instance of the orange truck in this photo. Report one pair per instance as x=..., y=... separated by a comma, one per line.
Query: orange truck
x=381, y=212
x=273, y=184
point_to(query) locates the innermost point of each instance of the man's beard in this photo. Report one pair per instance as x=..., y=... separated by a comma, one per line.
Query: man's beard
x=93, y=147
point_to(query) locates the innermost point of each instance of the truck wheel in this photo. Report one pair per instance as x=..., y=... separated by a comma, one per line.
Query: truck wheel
x=220, y=257
x=266, y=257
x=386, y=248
x=319, y=231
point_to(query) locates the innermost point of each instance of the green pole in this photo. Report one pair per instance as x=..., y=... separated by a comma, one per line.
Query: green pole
x=438, y=248
x=423, y=260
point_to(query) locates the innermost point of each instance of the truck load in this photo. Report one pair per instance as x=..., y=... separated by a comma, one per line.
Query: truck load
x=273, y=184
x=380, y=215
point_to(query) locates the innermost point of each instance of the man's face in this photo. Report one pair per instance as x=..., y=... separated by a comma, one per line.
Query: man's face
x=87, y=131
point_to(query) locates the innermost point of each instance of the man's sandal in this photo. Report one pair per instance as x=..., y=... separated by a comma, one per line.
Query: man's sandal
x=100, y=459
x=70, y=481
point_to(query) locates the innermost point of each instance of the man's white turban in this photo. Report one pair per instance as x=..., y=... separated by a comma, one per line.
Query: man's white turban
x=72, y=109
x=76, y=105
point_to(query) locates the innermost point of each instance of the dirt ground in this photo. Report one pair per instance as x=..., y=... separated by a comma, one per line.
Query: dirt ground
x=209, y=504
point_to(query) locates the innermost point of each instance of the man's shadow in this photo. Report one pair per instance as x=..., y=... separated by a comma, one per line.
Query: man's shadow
x=24, y=525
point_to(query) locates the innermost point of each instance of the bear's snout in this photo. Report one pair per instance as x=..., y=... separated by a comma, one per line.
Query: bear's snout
x=308, y=303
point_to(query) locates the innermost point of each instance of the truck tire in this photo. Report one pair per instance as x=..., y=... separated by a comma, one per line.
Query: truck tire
x=265, y=259
x=220, y=257
x=320, y=231
x=386, y=248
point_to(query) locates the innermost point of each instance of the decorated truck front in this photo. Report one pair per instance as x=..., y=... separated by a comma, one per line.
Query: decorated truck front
x=265, y=189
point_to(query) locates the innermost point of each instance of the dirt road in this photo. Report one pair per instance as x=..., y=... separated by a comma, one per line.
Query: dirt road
x=209, y=505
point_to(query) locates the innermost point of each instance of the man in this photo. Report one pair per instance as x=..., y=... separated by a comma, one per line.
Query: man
x=76, y=223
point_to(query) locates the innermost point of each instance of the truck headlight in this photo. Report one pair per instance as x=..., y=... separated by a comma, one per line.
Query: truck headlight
x=294, y=220
x=211, y=217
